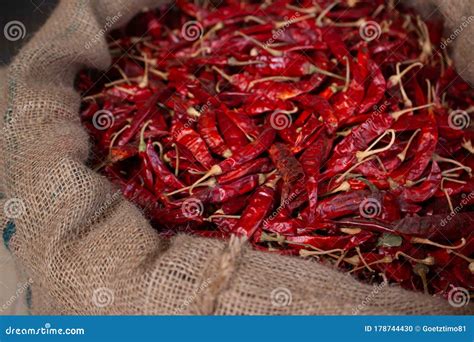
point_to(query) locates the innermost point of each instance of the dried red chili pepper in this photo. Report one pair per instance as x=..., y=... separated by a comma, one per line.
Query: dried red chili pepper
x=257, y=209
x=207, y=125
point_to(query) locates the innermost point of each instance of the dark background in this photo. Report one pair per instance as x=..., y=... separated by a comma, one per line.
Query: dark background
x=31, y=13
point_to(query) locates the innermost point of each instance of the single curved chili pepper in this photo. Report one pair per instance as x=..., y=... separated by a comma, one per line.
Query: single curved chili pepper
x=342, y=204
x=259, y=206
x=232, y=134
x=160, y=170
x=259, y=165
x=288, y=167
x=224, y=192
x=376, y=89
x=207, y=126
x=346, y=102
x=245, y=154
x=358, y=140
x=146, y=171
x=311, y=161
x=188, y=138
x=425, y=148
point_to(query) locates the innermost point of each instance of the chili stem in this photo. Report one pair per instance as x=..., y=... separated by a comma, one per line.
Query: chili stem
x=115, y=136
x=161, y=74
x=213, y=171
x=429, y=260
x=144, y=81
x=363, y=260
x=308, y=10
x=402, y=155
x=424, y=241
x=398, y=79
x=272, y=78
x=367, y=153
x=322, y=15
x=289, y=22
x=160, y=148
x=313, y=69
x=385, y=260
x=209, y=183
x=142, y=144
x=123, y=80
x=341, y=177
x=305, y=252
x=438, y=158
x=348, y=74
x=176, y=168
x=223, y=74
x=255, y=19
x=123, y=74
x=450, y=204
x=273, y=52
x=396, y=115
x=467, y=144
x=210, y=218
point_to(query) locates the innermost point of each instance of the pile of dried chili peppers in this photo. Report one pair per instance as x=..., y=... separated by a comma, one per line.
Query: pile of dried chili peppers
x=338, y=131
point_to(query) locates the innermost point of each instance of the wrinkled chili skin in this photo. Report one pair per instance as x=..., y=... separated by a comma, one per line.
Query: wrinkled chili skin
x=160, y=170
x=250, y=151
x=358, y=140
x=260, y=165
x=258, y=208
x=207, y=125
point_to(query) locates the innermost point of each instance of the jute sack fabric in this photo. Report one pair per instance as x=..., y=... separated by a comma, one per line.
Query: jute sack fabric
x=89, y=251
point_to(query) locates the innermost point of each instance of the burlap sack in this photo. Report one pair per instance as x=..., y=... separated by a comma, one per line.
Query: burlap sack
x=89, y=251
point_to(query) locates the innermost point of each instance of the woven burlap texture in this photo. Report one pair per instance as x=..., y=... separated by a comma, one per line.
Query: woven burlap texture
x=82, y=262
